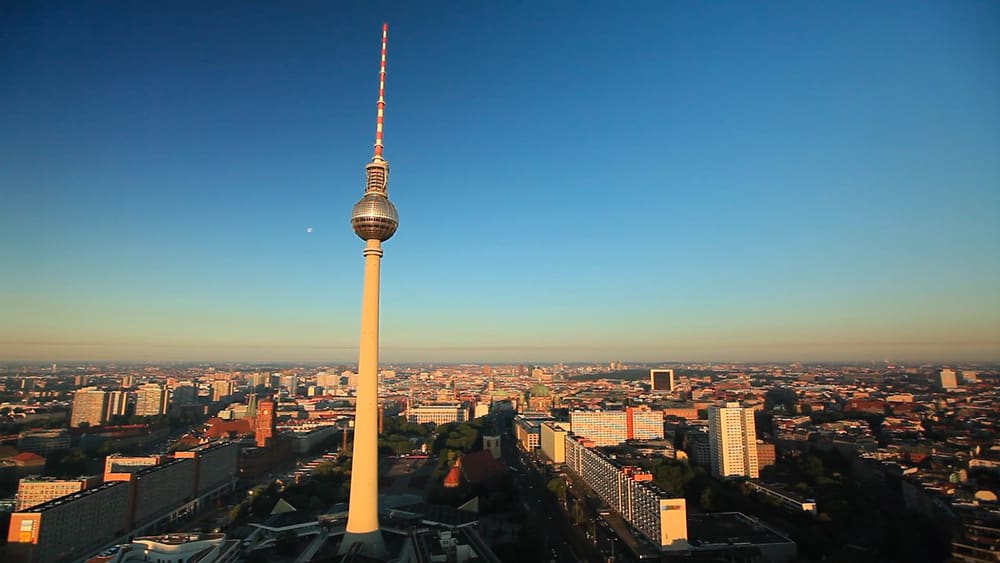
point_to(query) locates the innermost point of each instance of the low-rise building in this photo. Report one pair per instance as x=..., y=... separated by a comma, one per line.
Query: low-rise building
x=438, y=413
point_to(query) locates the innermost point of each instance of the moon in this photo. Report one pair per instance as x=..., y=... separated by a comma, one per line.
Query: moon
x=309, y=229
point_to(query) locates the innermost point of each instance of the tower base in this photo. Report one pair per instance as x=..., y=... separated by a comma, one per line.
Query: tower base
x=369, y=544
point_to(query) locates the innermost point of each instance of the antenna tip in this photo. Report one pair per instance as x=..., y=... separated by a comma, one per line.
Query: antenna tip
x=385, y=26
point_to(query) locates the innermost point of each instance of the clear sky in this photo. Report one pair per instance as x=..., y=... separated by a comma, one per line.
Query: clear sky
x=576, y=181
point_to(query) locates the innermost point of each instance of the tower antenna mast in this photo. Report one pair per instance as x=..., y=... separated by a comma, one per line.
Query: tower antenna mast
x=380, y=120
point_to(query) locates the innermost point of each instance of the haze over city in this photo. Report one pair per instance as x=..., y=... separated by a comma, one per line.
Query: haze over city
x=689, y=182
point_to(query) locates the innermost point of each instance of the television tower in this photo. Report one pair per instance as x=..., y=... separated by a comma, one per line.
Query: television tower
x=374, y=219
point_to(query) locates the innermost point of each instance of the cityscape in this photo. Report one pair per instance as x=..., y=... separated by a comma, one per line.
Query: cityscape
x=683, y=283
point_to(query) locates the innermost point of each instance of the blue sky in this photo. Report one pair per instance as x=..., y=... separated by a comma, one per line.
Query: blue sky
x=575, y=181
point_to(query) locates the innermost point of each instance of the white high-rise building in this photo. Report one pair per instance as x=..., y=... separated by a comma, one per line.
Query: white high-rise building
x=116, y=405
x=949, y=379
x=610, y=428
x=732, y=437
x=151, y=400
x=89, y=405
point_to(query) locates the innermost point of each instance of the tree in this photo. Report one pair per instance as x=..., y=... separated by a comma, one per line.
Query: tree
x=812, y=466
x=558, y=488
x=705, y=500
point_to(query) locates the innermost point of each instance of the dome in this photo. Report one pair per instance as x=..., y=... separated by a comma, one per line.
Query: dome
x=374, y=217
x=539, y=391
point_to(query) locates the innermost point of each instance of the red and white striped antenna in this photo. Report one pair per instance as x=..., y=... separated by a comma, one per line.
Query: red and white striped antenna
x=381, y=93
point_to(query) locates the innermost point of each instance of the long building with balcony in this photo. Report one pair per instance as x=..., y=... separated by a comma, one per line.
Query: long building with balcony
x=69, y=527
x=630, y=491
x=133, y=500
x=610, y=428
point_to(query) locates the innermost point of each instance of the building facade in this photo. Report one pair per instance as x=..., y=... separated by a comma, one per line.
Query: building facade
x=151, y=399
x=553, y=435
x=32, y=491
x=438, y=413
x=69, y=527
x=732, y=436
x=89, y=406
x=609, y=428
x=661, y=379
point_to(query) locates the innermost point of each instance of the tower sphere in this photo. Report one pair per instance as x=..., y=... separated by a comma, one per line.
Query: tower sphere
x=374, y=217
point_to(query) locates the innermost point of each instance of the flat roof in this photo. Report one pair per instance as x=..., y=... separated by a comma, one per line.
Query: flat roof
x=71, y=497
x=729, y=528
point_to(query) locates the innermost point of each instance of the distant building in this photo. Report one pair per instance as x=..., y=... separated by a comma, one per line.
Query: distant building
x=609, y=428
x=43, y=442
x=222, y=390
x=528, y=430
x=732, y=436
x=661, y=379
x=89, y=405
x=264, y=433
x=438, y=413
x=790, y=500
x=151, y=399
x=766, y=454
x=27, y=463
x=183, y=396
x=32, y=491
x=699, y=446
x=948, y=379
x=117, y=404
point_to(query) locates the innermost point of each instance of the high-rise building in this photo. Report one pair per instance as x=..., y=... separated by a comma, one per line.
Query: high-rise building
x=117, y=404
x=183, y=396
x=291, y=383
x=89, y=405
x=661, y=379
x=374, y=219
x=151, y=399
x=610, y=428
x=222, y=390
x=732, y=436
x=948, y=379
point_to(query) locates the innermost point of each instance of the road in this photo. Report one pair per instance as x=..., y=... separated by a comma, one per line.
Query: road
x=563, y=542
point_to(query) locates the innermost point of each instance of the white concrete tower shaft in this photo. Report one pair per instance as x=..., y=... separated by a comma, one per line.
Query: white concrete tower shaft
x=374, y=219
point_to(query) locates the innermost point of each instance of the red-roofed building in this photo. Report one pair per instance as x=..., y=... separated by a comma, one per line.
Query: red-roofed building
x=481, y=468
x=218, y=428
x=454, y=477
x=27, y=463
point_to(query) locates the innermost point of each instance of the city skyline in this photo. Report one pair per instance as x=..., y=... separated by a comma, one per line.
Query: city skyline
x=675, y=183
